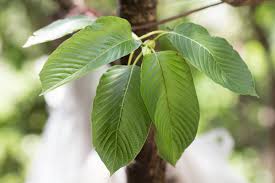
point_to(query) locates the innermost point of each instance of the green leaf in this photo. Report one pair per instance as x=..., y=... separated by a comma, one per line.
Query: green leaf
x=169, y=94
x=59, y=29
x=120, y=121
x=214, y=56
x=107, y=40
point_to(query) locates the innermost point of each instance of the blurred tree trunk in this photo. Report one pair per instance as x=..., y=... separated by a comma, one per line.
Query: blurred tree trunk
x=148, y=167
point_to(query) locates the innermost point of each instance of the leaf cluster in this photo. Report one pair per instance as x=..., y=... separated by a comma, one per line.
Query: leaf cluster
x=131, y=99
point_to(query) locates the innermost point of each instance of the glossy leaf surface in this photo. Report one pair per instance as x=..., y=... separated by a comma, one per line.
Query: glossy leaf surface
x=105, y=41
x=169, y=94
x=120, y=121
x=214, y=56
x=59, y=29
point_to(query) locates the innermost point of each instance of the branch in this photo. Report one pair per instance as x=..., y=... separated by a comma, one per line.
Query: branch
x=145, y=26
x=243, y=2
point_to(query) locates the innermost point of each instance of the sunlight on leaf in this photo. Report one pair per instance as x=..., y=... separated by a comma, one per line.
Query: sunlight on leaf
x=59, y=29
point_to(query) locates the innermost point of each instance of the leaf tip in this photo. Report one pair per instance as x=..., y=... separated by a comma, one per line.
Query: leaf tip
x=42, y=93
x=174, y=162
x=171, y=160
x=254, y=94
x=27, y=44
x=112, y=170
x=32, y=40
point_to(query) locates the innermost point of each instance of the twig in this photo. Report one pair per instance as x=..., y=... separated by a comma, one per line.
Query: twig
x=243, y=2
x=152, y=24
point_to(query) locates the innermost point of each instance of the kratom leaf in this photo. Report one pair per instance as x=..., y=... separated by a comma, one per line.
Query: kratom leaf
x=169, y=94
x=120, y=121
x=59, y=29
x=214, y=56
x=105, y=41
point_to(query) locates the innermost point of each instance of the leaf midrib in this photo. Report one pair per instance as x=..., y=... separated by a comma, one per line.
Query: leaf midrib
x=201, y=45
x=166, y=97
x=121, y=112
x=212, y=56
x=83, y=68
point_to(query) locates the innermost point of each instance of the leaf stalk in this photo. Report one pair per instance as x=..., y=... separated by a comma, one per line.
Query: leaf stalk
x=151, y=34
x=137, y=59
x=130, y=58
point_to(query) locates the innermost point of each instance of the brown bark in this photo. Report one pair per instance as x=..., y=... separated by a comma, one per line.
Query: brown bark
x=138, y=12
x=175, y=17
x=148, y=167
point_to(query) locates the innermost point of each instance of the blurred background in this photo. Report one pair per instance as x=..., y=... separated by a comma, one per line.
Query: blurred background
x=250, y=120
